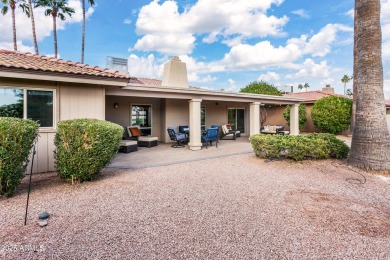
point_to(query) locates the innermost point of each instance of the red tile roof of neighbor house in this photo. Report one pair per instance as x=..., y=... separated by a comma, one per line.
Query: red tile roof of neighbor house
x=310, y=95
x=145, y=81
x=387, y=102
x=32, y=62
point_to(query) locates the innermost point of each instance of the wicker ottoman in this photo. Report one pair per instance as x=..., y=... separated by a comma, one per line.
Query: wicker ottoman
x=147, y=141
x=127, y=146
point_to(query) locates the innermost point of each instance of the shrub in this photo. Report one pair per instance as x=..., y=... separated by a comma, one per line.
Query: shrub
x=16, y=139
x=301, y=112
x=299, y=147
x=332, y=114
x=84, y=147
x=261, y=87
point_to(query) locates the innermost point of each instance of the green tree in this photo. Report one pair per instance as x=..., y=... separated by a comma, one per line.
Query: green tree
x=300, y=87
x=345, y=80
x=30, y=13
x=55, y=8
x=261, y=87
x=301, y=113
x=92, y=3
x=12, y=4
x=306, y=86
x=370, y=147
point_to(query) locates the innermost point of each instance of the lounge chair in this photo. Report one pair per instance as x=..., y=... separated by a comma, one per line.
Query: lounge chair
x=229, y=134
x=179, y=138
x=210, y=136
x=135, y=134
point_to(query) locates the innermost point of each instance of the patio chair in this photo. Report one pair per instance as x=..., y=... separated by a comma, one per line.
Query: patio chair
x=179, y=138
x=183, y=129
x=210, y=136
x=228, y=134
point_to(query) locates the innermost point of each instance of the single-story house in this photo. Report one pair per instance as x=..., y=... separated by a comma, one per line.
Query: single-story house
x=275, y=113
x=50, y=90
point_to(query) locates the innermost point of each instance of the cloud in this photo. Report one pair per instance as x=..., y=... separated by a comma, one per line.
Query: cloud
x=228, y=19
x=148, y=67
x=310, y=69
x=302, y=13
x=269, y=76
x=127, y=21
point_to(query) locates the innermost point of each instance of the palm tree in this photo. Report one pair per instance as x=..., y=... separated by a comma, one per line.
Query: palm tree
x=370, y=148
x=31, y=15
x=55, y=8
x=345, y=80
x=300, y=87
x=306, y=86
x=11, y=4
x=91, y=2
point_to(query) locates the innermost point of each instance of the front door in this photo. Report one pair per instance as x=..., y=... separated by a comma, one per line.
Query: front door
x=236, y=118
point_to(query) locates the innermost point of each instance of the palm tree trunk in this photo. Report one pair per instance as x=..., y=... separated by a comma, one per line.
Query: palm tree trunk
x=354, y=82
x=12, y=6
x=371, y=138
x=33, y=26
x=55, y=35
x=83, y=33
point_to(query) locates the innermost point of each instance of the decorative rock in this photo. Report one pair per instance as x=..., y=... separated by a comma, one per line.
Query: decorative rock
x=42, y=223
x=43, y=215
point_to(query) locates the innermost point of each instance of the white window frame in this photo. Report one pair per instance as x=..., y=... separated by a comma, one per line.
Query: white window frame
x=151, y=115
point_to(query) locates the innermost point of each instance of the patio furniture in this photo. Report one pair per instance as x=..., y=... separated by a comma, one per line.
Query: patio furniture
x=274, y=129
x=184, y=129
x=229, y=134
x=136, y=134
x=210, y=136
x=179, y=138
x=127, y=146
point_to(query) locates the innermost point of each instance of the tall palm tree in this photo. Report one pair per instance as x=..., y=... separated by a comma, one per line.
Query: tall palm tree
x=370, y=148
x=11, y=4
x=92, y=3
x=345, y=80
x=30, y=13
x=55, y=8
x=306, y=86
x=300, y=87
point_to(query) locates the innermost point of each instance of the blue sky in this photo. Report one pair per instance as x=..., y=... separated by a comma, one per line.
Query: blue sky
x=225, y=43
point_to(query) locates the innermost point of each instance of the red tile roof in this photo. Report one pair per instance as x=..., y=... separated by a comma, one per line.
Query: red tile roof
x=310, y=95
x=146, y=82
x=387, y=102
x=32, y=62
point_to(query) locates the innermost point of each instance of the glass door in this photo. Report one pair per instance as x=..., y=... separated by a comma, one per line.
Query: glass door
x=236, y=118
x=141, y=115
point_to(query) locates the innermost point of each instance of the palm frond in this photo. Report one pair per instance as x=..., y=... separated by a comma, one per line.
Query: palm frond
x=4, y=10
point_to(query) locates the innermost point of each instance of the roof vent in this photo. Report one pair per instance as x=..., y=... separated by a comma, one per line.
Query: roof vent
x=175, y=74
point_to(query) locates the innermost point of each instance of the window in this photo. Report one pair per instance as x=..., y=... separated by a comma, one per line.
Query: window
x=141, y=115
x=34, y=104
x=203, y=118
x=236, y=118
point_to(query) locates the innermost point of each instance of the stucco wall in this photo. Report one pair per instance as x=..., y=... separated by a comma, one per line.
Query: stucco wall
x=72, y=101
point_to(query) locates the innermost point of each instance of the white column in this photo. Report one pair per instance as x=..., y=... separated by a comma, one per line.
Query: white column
x=294, y=119
x=195, y=124
x=254, y=118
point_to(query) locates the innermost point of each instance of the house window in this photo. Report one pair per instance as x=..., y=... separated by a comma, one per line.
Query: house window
x=141, y=115
x=34, y=104
x=203, y=118
x=236, y=118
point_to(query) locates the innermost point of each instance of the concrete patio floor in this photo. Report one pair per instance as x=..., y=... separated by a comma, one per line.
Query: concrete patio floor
x=164, y=154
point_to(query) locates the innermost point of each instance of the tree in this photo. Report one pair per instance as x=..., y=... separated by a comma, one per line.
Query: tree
x=349, y=92
x=345, y=80
x=370, y=148
x=300, y=87
x=55, y=8
x=29, y=10
x=306, y=86
x=11, y=4
x=91, y=2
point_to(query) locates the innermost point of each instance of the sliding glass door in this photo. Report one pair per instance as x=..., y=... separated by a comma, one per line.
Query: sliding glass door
x=236, y=118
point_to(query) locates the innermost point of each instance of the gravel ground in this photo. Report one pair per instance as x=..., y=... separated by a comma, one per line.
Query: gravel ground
x=238, y=207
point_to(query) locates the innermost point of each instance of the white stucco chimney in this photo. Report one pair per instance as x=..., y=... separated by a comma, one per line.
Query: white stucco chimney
x=175, y=74
x=328, y=89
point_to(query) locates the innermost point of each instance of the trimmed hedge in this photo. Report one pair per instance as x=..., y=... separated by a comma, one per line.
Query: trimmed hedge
x=84, y=147
x=16, y=139
x=299, y=147
x=301, y=112
x=332, y=114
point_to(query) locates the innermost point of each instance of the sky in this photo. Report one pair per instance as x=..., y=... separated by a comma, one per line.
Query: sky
x=226, y=44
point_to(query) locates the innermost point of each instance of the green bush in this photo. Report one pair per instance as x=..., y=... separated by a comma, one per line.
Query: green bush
x=299, y=147
x=301, y=112
x=261, y=87
x=16, y=139
x=332, y=114
x=84, y=147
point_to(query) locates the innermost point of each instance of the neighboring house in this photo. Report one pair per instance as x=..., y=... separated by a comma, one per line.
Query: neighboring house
x=275, y=114
x=50, y=90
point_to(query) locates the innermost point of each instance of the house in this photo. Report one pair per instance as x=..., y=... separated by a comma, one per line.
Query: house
x=50, y=90
x=275, y=113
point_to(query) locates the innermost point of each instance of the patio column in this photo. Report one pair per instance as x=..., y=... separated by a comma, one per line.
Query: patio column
x=254, y=118
x=294, y=119
x=195, y=124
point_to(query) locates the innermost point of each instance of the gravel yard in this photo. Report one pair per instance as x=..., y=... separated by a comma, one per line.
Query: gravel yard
x=237, y=207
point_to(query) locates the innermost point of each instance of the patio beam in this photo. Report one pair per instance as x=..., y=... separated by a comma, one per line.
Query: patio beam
x=294, y=119
x=195, y=124
x=254, y=118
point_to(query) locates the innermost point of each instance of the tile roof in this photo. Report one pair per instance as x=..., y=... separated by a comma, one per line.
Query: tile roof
x=387, y=102
x=310, y=95
x=32, y=62
x=145, y=81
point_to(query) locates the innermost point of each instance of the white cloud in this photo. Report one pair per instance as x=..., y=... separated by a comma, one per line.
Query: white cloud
x=148, y=67
x=302, y=13
x=310, y=69
x=43, y=25
x=227, y=18
x=269, y=76
x=127, y=21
